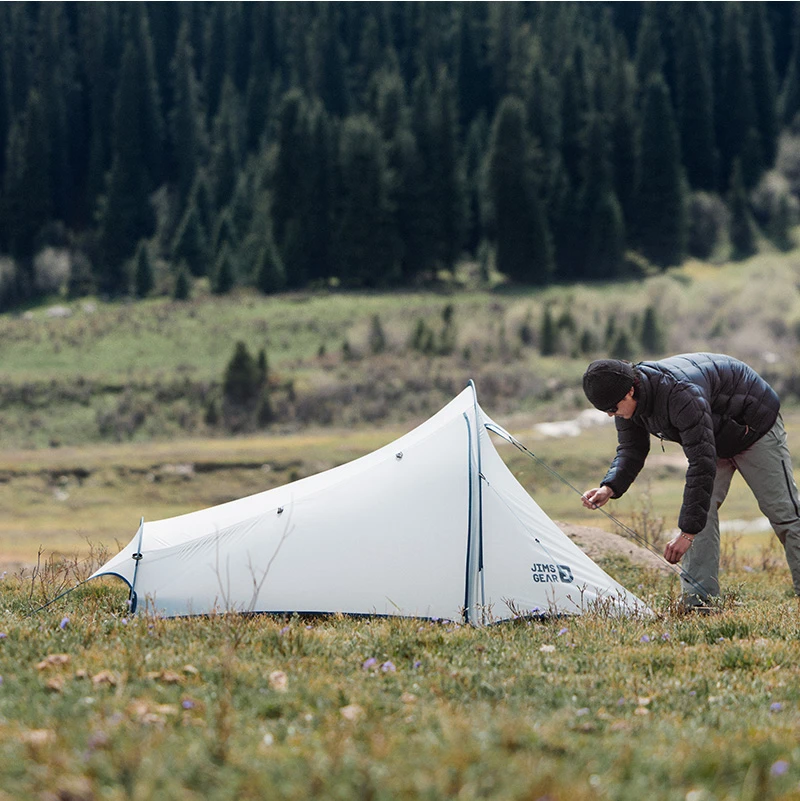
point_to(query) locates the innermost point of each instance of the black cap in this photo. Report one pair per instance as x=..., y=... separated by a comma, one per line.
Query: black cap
x=607, y=381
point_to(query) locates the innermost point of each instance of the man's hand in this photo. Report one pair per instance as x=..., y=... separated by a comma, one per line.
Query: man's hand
x=597, y=497
x=677, y=547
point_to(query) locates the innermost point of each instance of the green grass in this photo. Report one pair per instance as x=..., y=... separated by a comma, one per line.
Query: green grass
x=299, y=708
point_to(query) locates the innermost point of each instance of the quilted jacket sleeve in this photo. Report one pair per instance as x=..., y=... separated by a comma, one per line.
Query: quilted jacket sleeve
x=691, y=415
x=632, y=449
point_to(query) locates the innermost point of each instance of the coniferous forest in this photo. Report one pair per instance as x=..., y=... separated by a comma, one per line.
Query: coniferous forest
x=147, y=146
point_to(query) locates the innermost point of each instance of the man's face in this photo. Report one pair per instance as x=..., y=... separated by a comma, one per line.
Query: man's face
x=625, y=408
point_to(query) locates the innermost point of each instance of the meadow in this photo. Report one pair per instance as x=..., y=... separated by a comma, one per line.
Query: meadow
x=98, y=704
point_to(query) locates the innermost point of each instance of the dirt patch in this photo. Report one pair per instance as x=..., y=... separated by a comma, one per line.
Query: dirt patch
x=596, y=544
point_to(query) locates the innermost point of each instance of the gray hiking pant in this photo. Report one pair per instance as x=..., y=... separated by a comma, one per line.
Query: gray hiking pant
x=766, y=466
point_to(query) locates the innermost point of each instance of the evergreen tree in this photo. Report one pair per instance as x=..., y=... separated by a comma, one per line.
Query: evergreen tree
x=377, y=339
x=27, y=200
x=55, y=81
x=660, y=223
x=548, y=335
x=189, y=245
x=789, y=100
x=188, y=139
x=125, y=214
x=764, y=81
x=736, y=110
x=224, y=278
x=327, y=67
x=270, y=274
x=623, y=133
x=183, y=284
x=524, y=246
x=653, y=338
x=362, y=234
x=144, y=274
x=604, y=231
x=743, y=228
x=446, y=179
x=226, y=146
x=696, y=117
x=242, y=380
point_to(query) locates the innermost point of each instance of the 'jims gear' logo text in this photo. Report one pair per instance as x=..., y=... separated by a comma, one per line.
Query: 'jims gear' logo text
x=551, y=573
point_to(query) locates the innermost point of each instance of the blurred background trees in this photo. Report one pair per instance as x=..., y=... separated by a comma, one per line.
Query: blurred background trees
x=286, y=145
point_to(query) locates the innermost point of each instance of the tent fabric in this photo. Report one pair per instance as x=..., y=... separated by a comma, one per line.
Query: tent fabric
x=432, y=525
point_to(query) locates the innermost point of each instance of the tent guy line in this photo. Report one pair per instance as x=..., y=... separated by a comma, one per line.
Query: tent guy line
x=501, y=432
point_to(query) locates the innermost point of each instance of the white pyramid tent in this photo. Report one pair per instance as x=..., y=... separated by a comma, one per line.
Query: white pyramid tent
x=432, y=525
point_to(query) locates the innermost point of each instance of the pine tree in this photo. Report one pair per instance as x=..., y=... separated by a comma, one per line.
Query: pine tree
x=242, y=380
x=363, y=219
x=377, y=339
x=126, y=215
x=224, y=278
x=548, y=336
x=188, y=139
x=27, y=200
x=183, y=284
x=695, y=102
x=604, y=231
x=189, y=245
x=524, y=246
x=143, y=274
x=55, y=81
x=270, y=273
x=736, y=110
x=789, y=100
x=661, y=223
x=652, y=338
x=743, y=228
x=446, y=180
x=226, y=146
x=764, y=81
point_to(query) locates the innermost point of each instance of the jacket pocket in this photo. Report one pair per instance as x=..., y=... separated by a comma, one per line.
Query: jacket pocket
x=733, y=438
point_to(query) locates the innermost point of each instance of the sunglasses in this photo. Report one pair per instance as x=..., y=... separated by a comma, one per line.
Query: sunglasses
x=612, y=410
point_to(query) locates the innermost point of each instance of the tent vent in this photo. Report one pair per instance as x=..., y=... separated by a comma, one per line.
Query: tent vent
x=399, y=455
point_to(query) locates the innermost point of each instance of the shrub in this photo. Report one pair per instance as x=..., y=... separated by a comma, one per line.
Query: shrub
x=377, y=339
x=51, y=270
x=242, y=381
x=708, y=221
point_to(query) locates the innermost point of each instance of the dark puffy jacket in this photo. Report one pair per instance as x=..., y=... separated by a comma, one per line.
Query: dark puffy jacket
x=713, y=405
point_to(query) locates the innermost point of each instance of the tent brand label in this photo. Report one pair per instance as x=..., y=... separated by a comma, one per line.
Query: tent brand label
x=547, y=573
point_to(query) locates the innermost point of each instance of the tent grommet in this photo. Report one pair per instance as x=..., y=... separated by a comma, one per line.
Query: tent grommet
x=398, y=455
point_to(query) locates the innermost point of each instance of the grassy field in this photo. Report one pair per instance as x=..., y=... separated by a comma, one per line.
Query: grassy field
x=103, y=420
x=94, y=704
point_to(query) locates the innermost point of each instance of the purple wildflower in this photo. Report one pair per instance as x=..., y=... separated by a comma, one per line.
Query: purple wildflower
x=64, y=623
x=692, y=692
x=187, y=703
x=779, y=768
x=124, y=621
x=388, y=667
x=3, y=635
x=563, y=632
x=644, y=638
x=369, y=663
x=776, y=706
x=417, y=664
x=284, y=630
x=665, y=635
x=1, y=680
